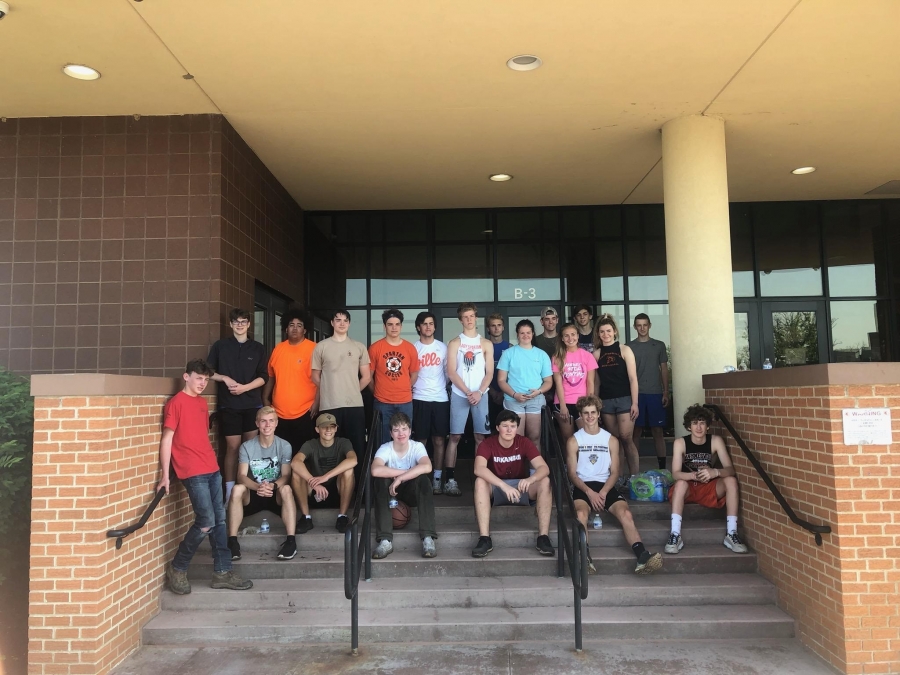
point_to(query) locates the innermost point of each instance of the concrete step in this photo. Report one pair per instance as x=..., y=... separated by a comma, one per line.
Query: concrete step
x=440, y=592
x=458, y=562
x=293, y=625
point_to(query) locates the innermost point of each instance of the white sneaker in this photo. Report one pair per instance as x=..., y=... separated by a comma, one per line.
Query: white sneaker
x=674, y=544
x=733, y=541
x=451, y=487
x=383, y=550
x=428, y=548
x=436, y=486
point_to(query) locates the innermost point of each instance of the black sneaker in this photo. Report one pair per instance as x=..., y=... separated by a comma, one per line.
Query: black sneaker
x=342, y=523
x=304, y=524
x=235, y=548
x=543, y=546
x=288, y=549
x=483, y=547
x=648, y=563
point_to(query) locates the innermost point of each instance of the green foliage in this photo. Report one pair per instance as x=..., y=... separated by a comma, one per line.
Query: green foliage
x=16, y=436
x=796, y=338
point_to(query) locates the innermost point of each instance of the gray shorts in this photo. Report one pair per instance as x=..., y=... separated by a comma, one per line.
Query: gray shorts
x=616, y=406
x=530, y=407
x=459, y=413
x=498, y=496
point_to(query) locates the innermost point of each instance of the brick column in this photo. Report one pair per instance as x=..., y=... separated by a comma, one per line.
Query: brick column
x=96, y=441
x=845, y=594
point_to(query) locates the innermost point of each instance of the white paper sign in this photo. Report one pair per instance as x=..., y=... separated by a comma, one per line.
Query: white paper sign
x=867, y=426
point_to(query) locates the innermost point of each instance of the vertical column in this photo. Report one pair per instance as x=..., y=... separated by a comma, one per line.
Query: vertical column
x=698, y=254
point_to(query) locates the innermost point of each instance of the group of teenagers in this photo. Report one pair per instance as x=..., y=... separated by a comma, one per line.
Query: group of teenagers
x=294, y=425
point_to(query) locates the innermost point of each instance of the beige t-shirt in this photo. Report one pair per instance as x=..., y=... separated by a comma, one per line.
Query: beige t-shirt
x=339, y=363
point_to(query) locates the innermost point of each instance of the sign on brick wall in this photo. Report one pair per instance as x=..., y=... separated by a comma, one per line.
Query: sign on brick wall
x=867, y=426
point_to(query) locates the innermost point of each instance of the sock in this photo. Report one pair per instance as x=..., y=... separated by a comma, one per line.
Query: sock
x=437, y=474
x=638, y=548
x=228, y=486
x=449, y=472
x=230, y=539
x=341, y=514
x=676, y=524
x=291, y=537
x=661, y=462
x=309, y=516
x=732, y=524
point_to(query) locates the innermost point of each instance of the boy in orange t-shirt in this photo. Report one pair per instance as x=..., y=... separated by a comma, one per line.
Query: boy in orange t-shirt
x=395, y=366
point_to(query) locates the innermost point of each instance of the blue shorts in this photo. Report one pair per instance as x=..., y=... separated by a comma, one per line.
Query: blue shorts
x=651, y=412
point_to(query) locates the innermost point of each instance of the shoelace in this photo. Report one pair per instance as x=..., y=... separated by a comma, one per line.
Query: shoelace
x=673, y=539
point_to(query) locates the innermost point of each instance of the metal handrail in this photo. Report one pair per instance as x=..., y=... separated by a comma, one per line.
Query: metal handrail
x=575, y=548
x=353, y=562
x=817, y=530
x=123, y=532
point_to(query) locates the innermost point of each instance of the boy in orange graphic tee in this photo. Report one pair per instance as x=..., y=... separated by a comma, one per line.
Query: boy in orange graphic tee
x=395, y=366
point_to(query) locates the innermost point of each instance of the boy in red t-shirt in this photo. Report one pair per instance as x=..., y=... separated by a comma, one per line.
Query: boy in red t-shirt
x=185, y=445
x=394, y=363
x=508, y=467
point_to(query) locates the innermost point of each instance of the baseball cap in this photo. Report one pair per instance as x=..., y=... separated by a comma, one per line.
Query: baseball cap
x=548, y=311
x=326, y=420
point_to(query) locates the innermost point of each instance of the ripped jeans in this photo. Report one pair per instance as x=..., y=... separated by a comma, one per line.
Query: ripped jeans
x=205, y=493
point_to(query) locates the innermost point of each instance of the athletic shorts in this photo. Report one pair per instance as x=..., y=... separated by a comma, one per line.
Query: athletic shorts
x=651, y=412
x=616, y=406
x=612, y=496
x=430, y=418
x=498, y=496
x=702, y=493
x=237, y=422
x=296, y=431
x=571, y=407
x=530, y=407
x=459, y=413
x=332, y=501
x=258, y=504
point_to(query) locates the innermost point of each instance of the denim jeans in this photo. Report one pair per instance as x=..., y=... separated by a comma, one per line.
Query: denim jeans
x=205, y=493
x=388, y=409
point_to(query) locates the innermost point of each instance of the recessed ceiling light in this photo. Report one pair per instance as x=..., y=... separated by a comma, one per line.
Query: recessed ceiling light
x=524, y=62
x=81, y=72
x=487, y=231
x=500, y=177
x=803, y=169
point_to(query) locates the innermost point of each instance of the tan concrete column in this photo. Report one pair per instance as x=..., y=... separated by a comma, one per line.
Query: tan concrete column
x=698, y=255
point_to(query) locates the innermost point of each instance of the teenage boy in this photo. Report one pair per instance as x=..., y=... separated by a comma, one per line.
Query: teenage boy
x=546, y=341
x=240, y=370
x=264, y=484
x=291, y=389
x=470, y=367
x=584, y=316
x=593, y=466
x=394, y=363
x=696, y=482
x=400, y=469
x=340, y=369
x=495, y=327
x=324, y=466
x=652, y=364
x=185, y=447
x=431, y=405
x=509, y=471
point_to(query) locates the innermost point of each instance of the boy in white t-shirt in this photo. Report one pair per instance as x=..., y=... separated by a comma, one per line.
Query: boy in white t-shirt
x=431, y=405
x=400, y=469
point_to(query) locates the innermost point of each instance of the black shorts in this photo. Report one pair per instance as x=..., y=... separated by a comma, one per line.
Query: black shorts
x=296, y=431
x=332, y=501
x=430, y=418
x=237, y=422
x=612, y=496
x=257, y=504
x=572, y=408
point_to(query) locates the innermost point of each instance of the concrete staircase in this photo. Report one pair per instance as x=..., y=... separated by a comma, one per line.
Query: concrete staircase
x=705, y=592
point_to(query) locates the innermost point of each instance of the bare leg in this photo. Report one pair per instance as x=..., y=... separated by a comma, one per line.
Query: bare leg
x=540, y=492
x=626, y=439
x=301, y=491
x=478, y=439
x=345, y=483
x=659, y=441
x=450, y=456
x=582, y=513
x=240, y=497
x=611, y=424
x=621, y=511
x=285, y=497
x=438, y=443
x=533, y=429
x=567, y=429
x=729, y=487
x=483, y=506
x=229, y=464
x=679, y=492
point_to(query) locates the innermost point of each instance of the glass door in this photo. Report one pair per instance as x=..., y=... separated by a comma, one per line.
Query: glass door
x=512, y=314
x=448, y=325
x=746, y=334
x=794, y=333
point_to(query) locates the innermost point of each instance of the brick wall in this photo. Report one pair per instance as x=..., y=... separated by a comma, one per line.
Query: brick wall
x=845, y=594
x=95, y=469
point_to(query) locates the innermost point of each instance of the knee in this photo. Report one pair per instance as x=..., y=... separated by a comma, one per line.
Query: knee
x=626, y=518
x=543, y=486
x=680, y=488
x=481, y=485
x=286, y=493
x=237, y=493
x=730, y=483
x=454, y=438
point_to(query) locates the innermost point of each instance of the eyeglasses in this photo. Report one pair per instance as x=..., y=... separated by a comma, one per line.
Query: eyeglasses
x=241, y=322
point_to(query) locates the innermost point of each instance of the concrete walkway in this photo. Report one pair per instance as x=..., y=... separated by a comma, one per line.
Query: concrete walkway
x=739, y=657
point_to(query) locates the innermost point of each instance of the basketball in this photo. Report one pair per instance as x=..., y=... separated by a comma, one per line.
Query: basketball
x=400, y=516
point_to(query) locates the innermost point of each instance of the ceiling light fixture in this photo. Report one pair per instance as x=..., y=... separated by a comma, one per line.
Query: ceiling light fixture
x=803, y=170
x=500, y=177
x=524, y=62
x=80, y=72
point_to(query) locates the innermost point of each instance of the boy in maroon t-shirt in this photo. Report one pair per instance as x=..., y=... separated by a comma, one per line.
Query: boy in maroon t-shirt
x=185, y=445
x=507, y=468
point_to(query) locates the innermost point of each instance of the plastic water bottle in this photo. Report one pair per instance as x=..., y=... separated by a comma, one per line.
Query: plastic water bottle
x=393, y=503
x=264, y=527
x=767, y=365
x=598, y=524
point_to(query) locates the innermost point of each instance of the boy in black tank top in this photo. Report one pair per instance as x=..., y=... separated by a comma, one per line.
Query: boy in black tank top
x=696, y=482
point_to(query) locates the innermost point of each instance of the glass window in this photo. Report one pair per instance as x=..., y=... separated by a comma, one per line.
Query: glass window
x=528, y=271
x=458, y=225
x=647, y=269
x=608, y=222
x=576, y=223
x=787, y=249
x=741, y=252
x=854, y=331
x=451, y=326
x=742, y=339
x=399, y=275
x=350, y=228
x=259, y=325
x=608, y=255
x=853, y=243
x=408, y=332
x=526, y=225
x=659, y=321
x=618, y=313
x=463, y=273
x=405, y=226
x=796, y=339
x=358, y=327
x=511, y=322
x=354, y=263
x=580, y=274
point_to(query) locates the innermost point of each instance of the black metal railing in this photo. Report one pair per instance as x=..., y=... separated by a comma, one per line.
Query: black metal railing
x=356, y=557
x=573, y=547
x=123, y=532
x=817, y=530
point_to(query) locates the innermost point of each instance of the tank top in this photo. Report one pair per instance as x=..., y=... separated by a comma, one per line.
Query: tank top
x=586, y=342
x=593, y=456
x=613, y=372
x=469, y=363
x=696, y=457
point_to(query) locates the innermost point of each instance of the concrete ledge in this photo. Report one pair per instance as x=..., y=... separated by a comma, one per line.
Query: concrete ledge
x=807, y=376
x=103, y=384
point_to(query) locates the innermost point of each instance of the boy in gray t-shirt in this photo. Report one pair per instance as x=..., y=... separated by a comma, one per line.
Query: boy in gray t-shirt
x=263, y=483
x=652, y=365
